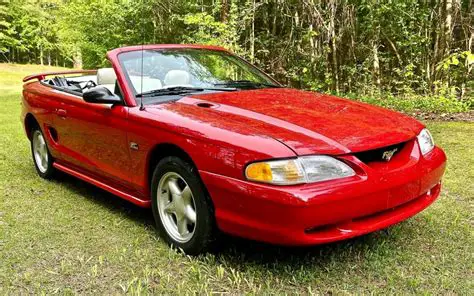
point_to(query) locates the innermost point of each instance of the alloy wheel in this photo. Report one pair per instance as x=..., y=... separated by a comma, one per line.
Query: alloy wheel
x=40, y=151
x=176, y=207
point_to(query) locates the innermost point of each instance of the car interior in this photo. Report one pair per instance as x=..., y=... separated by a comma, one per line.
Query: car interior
x=106, y=77
x=78, y=84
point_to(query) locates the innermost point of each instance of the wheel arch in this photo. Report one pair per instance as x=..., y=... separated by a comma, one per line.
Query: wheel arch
x=30, y=122
x=162, y=150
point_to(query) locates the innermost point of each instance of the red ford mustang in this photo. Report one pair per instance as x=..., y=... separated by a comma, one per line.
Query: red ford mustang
x=209, y=142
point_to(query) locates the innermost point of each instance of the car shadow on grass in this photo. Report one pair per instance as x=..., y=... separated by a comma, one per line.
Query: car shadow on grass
x=239, y=251
x=105, y=199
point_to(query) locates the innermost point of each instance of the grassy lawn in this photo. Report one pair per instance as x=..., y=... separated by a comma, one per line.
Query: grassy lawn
x=68, y=237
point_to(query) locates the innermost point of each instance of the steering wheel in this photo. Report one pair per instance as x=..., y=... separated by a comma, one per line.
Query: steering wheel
x=89, y=84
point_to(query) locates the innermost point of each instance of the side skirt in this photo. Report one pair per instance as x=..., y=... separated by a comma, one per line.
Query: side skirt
x=124, y=195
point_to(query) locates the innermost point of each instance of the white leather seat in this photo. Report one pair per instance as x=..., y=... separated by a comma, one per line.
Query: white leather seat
x=148, y=83
x=177, y=78
x=106, y=77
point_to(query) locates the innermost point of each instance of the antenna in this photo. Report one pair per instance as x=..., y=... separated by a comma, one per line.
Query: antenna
x=141, y=76
x=141, y=84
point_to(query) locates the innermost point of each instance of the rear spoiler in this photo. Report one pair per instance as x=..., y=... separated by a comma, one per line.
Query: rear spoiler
x=42, y=76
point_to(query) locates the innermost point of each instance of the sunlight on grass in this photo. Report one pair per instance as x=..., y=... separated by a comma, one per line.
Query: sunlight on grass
x=68, y=237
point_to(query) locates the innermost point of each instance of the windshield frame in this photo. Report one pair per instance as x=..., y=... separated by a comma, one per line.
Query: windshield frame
x=135, y=94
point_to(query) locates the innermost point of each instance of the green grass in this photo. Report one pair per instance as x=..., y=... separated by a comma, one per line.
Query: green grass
x=68, y=237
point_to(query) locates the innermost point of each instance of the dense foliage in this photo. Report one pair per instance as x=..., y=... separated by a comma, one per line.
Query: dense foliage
x=405, y=48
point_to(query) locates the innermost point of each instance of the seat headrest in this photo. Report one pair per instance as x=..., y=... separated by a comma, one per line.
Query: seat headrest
x=106, y=76
x=177, y=77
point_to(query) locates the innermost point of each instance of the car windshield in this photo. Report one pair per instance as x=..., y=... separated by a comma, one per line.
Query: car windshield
x=172, y=72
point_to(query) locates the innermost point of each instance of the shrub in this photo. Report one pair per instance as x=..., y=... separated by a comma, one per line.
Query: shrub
x=417, y=103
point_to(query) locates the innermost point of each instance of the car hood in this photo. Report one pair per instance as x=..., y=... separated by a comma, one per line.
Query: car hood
x=304, y=121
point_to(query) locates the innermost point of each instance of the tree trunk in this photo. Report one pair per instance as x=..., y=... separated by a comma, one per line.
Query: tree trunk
x=448, y=26
x=470, y=42
x=252, y=34
x=77, y=60
x=225, y=10
x=395, y=51
x=312, y=45
x=41, y=56
x=470, y=29
x=468, y=66
x=438, y=45
x=428, y=50
x=375, y=52
x=332, y=36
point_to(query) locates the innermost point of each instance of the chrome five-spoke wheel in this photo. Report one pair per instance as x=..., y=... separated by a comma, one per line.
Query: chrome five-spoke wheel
x=176, y=207
x=40, y=151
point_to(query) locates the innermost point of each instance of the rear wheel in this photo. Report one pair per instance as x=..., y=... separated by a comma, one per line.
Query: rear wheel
x=182, y=209
x=41, y=157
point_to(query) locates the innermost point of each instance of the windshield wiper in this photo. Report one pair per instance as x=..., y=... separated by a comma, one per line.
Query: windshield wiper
x=246, y=83
x=175, y=90
x=180, y=90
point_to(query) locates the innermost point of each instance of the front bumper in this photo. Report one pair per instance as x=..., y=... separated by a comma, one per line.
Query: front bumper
x=328, y=211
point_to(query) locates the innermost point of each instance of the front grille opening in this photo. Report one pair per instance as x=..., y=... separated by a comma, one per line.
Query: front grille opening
x=377, y=155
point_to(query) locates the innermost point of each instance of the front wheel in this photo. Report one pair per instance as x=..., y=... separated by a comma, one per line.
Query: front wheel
x=41, y=157
x=181, y=207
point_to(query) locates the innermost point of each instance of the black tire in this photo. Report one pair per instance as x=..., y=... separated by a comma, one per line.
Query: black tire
x=204, y=227
x=47, y=170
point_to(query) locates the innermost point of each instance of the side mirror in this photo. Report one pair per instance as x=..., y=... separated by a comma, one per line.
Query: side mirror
x=100, y=95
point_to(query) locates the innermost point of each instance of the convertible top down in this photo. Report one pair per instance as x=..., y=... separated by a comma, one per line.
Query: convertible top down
x=211, y=143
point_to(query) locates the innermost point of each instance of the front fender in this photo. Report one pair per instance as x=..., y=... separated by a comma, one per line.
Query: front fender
x=218, y=148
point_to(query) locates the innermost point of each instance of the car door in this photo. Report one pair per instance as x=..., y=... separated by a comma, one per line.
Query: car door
x=93, y=138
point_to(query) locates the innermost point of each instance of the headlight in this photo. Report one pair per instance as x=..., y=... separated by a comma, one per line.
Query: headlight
x=306, y=169
x=425, y=140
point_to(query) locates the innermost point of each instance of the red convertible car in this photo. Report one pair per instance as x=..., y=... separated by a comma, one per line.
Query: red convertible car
x=211, y=143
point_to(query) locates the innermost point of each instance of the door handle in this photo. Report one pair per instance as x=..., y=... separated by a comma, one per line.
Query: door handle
x=61, y=113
